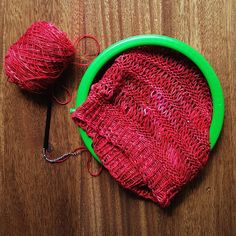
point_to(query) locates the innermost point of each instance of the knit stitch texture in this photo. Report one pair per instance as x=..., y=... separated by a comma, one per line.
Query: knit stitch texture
x=149, y=118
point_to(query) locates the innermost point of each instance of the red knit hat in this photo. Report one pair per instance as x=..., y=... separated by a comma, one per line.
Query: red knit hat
x=149, y=118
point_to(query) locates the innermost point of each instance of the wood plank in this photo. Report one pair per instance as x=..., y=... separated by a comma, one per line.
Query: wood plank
x=37, y=198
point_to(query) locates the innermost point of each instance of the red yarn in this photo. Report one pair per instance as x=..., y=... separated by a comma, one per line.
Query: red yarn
x=89, y=168
x=68, y=93
x=39, y=57
x=149, y=118
x=87, y=36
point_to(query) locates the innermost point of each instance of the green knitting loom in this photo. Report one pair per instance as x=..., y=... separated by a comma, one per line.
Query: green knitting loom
x=164, y=41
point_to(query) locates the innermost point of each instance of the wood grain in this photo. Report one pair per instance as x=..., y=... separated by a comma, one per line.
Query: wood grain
x=37, y=198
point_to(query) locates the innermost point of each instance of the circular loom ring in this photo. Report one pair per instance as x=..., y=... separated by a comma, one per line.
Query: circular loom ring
x=164, y=41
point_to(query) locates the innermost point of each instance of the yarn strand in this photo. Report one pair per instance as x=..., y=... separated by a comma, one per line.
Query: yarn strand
x=87, y=36
x=89, y=168
x=69, y=96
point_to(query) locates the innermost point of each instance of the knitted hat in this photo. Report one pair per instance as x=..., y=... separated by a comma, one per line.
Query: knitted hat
x=149, y=118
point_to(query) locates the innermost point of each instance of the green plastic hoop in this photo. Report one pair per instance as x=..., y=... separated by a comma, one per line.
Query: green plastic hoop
x=156, y=40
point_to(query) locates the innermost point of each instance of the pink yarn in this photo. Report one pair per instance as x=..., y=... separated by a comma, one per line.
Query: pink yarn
x=39, y=57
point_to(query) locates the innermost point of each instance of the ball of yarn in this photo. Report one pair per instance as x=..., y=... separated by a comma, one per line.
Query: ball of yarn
x=39, y=57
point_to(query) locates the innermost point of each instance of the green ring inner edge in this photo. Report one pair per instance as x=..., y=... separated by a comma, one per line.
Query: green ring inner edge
x=156, y=40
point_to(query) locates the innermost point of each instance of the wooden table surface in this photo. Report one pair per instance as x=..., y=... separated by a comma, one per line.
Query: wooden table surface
x=37, y=198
